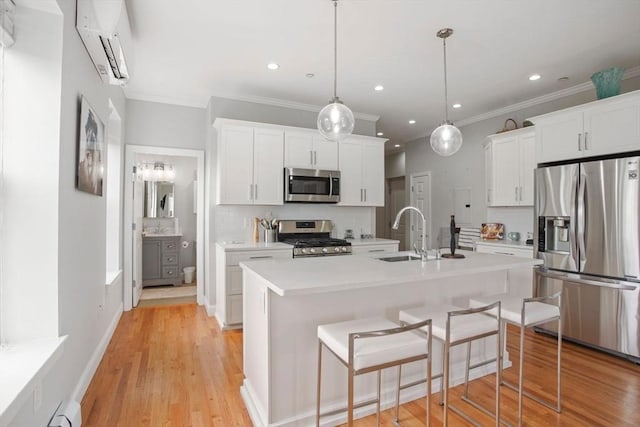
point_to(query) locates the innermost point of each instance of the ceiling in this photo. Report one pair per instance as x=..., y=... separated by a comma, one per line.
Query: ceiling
x=187, y=51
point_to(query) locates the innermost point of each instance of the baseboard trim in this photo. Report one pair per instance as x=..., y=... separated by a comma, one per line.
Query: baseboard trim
x=96, y=357
x=211, y=309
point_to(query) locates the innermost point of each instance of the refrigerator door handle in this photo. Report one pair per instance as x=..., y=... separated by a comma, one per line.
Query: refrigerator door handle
x=577, y=278
x=581, y=220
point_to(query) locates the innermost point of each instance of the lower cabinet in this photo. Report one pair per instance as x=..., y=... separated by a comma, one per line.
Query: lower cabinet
x=520, y=279
x=229, y=281
x=374, y=249
x=161, y=261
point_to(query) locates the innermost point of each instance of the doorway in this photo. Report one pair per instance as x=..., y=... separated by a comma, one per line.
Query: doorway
x=396, y=201
x=191, y=192
x=420, y=187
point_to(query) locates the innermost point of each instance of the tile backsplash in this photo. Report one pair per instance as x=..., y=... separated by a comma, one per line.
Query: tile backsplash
x=518, y=219
x=236, y=222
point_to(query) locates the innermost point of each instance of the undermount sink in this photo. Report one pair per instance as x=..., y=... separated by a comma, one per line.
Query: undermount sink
x=399, y=258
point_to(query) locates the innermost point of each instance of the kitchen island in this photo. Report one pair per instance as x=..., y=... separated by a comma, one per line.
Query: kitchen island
x=285, y=300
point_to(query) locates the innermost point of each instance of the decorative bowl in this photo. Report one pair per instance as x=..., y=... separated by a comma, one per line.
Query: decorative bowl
x=607, y=82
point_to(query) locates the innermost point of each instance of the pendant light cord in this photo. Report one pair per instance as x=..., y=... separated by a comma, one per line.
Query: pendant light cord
x=446, y=94
x=335, y=49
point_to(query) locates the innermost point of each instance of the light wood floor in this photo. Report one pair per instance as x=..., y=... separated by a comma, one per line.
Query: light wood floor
x=172, y=366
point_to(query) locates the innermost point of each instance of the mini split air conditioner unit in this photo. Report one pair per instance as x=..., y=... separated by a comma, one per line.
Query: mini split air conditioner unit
x=104, y=29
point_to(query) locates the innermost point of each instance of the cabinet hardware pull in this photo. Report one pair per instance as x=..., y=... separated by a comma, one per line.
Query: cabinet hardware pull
x=579, y=141
x=315, y=157
x=361, y=198
x=250, y=191
x=261, y=257
x=310, y=157
x=256, y=191
x=365, y=194
x=516, y=188
x=586, y=135
x=504, y=253
x=376, y=250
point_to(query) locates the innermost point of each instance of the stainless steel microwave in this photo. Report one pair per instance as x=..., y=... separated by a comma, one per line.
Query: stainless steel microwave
x=311, y=186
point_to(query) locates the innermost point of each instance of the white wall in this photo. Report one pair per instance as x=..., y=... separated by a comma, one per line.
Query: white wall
x=465, y=169
x=394, y=165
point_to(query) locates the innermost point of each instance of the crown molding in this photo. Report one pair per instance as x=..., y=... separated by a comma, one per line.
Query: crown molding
x=582, y=87
x=290, y=104
x=184, y=102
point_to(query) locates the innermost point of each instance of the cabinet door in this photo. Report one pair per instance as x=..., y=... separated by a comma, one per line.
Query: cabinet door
x=527, y=167
x=506, y=172
x=268, y=169
x=234, y=281
x=151, y=260
x=373, y=174
x=488, y=174
x=560, y=137
x=298, y=150
x=235, y=165
x=325, y=154
x=374, y=249
x=350, y=159
x=613, y=127
x=234, y=309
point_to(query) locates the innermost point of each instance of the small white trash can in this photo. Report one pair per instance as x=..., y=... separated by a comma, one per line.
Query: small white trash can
x=188, y=274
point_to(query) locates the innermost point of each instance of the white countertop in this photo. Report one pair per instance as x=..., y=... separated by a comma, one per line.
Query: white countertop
x=329, y=274
x=234, y=245
x=505, y=243
x=373, y=241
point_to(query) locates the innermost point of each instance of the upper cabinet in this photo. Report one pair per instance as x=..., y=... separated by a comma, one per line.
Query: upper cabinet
x=509, y=165
x=361, y=161
x=607, y=126
x=309, y=150
x=250, y=166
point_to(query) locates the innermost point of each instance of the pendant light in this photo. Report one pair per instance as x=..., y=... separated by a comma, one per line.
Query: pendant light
x=446, y=139
x=335, y=121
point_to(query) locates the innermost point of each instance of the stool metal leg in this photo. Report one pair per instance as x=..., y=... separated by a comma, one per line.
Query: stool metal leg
x=378, y=402
x=521, y=373
x=447, y=350
x=465, y=394
x=559, y=406
x=318, y=383
x=396, y=420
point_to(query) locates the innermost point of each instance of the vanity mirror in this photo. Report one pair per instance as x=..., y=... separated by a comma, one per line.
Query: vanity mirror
x=158, y=199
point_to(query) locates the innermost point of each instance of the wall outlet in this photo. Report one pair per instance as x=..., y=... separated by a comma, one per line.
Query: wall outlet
x=37, y=397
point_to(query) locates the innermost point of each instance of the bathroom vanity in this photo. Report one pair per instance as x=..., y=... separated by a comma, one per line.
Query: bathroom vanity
x=161, y=260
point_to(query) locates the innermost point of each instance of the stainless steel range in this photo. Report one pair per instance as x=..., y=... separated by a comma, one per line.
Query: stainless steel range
x=311, y=238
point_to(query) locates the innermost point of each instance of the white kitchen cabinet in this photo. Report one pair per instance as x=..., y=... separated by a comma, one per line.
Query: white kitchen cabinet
x=520, y=279
x=361, y=161
x=509, y=165
x=375, y=248
x=250, y=165
x=229, y=281
x=606, y=126
x=309, y=150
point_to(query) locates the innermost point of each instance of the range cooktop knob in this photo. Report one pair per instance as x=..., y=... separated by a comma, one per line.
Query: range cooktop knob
x=325, y=250
x=305, y=250
x=344, y=249
x=312, y=250
x=336, y=249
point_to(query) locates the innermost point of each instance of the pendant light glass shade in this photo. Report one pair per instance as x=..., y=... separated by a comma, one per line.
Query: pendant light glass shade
x=335, y=121
x=446, y=139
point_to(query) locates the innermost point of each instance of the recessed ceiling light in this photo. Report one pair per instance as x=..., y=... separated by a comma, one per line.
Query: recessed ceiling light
x=412, y=122
x=272, y=66
x=378, y=88
x=397, y=145
x=380, y=133
x=534, y=77
x=457, y=105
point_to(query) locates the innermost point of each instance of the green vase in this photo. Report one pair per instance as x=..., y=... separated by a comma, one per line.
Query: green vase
x=607, y=82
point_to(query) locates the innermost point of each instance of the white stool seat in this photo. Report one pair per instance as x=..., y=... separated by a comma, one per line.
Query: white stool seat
x=511, y=309
x=371, y=351
x=462, y=327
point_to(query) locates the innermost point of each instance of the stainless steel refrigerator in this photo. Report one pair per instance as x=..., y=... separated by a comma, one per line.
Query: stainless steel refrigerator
x=588, y=234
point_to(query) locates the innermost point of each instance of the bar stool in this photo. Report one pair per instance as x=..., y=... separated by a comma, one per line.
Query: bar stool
x=526, y=313
x=454, y=326
x=368, y=345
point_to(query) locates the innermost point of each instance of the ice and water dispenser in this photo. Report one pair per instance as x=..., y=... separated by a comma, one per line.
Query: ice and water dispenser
x=553, y=234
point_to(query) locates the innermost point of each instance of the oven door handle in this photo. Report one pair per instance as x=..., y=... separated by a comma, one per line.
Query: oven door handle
x=330, y=186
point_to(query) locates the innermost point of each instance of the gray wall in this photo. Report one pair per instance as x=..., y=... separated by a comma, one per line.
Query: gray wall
x=165, y=125
x=86, y=308
x=465, y=169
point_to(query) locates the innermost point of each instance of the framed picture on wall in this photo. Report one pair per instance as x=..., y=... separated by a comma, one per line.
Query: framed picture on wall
x=90, y=167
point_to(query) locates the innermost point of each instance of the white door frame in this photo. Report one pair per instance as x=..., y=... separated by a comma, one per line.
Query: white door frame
x=130, y=154
x=427, y=215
